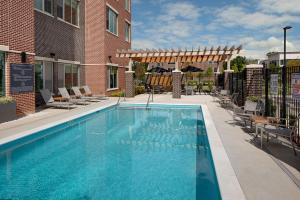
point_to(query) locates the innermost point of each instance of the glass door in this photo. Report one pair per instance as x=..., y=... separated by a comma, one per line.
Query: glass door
x=2, y=73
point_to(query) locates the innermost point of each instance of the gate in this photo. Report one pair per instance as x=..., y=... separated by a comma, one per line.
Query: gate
x=274, y=98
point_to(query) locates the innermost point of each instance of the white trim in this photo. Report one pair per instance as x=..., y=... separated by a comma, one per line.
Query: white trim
x=44, y=12
x=111, y=89
x=126, y=20
x=68, y=62
x=18, y=52
x=129, y=10
x=112, y=64
x=112, y=33
x=4, y=48
x=107, y=4
x=39, y=58
x=62, y=20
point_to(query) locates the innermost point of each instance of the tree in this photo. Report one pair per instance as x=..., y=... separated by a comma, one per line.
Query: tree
x=209, y=72
x=140, y=70
x=238, y=64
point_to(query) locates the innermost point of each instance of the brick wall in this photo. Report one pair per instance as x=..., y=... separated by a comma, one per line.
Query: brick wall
x=100, y=44
x=17, y=32
x=254, y=82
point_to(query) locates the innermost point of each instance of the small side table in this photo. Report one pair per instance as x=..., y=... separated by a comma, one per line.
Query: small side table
x=260, y=123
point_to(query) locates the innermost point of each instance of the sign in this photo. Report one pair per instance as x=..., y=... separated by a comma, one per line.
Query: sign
x=21, y=78
x=296, y=86
x=274, y=84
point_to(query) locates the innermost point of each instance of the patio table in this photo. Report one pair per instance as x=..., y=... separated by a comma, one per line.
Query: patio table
x=260, y=123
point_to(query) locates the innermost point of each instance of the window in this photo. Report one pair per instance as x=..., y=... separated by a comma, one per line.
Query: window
x=2, y=73
x=127, y=32
x=71, y=75
x=43, y=75
x=44, y=5
x=111, y=21
x=112, y=77
x=127, y=5
x=68, y=10
x=60, y=9
x=39, y=79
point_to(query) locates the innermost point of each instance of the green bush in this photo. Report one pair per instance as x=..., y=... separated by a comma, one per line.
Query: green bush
x=6, y=100
x=253, y=98
x=192, y=83
x=118, y=94
x=139, y=90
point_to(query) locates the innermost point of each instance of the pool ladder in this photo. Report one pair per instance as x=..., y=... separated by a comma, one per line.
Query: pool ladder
x=151, y=94
x=120, y=96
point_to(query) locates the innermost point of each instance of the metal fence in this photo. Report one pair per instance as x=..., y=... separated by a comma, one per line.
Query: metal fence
x=237, y=84
x=278, y=103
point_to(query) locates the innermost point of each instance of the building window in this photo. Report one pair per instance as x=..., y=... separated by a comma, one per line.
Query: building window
x=43, y=75
x=112, y=77
x=2, y=74
x=111, y=21
x=127, y=32
x=71, y=75
x=68, y=10
x=44, y=5
x=127, y=5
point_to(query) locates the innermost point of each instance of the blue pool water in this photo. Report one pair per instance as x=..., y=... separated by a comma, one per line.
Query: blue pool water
x=117, y=153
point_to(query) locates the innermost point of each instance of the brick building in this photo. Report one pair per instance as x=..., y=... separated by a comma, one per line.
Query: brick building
x=70, y=43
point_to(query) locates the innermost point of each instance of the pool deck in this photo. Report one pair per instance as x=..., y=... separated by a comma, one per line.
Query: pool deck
x=269, y=173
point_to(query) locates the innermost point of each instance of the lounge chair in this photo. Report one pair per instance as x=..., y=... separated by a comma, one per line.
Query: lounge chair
x=65, y=94
x=88, y=92
x=78, y=94
x=245, y=112
x=275, y=129
x=47, y=96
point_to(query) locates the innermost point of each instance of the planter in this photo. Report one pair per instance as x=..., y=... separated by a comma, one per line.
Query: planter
x=7, y=112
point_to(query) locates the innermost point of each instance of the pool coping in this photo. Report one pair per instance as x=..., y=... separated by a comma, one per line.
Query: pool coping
x=229, y=186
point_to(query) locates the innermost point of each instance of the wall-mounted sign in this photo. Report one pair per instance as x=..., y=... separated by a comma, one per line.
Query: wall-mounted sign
x=296, y=86
x=21, y=78
x=274, y=84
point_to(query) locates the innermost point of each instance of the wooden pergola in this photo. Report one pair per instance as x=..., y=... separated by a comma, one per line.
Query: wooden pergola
x=218, y=54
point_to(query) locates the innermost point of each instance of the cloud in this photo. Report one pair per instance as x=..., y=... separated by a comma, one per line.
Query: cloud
x=237, y=16
x=279, y=6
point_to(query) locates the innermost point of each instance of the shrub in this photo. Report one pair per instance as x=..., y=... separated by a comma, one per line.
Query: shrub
x=253, y=98
x=192, y=83
x=139, y=90
x=118, y=94
x=6, y=100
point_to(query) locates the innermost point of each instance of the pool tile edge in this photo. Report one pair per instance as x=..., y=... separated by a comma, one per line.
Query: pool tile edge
x=228, y=183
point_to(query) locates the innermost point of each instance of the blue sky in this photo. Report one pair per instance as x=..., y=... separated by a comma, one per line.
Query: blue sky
x=256, y=24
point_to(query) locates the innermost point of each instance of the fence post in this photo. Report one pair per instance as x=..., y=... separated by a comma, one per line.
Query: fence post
x=283, y=92
x=267, y=92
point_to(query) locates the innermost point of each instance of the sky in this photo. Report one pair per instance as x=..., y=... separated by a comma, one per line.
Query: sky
x=255, y=24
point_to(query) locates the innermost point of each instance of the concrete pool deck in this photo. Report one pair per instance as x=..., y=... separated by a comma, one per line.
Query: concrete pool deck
x=260, y=173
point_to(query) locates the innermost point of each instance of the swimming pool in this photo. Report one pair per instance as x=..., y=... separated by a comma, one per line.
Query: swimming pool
x=124, y=152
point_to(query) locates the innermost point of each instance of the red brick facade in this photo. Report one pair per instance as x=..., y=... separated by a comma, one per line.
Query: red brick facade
x=18, y=37
x=46, y=37
x=101, y=45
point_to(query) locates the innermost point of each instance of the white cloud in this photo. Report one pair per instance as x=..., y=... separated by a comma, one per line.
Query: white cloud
x=232, y=16
x=279, y=6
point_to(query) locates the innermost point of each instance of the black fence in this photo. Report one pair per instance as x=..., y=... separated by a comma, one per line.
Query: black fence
x=237, y=84
x=280, y=103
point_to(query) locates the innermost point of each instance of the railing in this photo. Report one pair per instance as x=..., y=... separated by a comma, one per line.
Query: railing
x=151, y=94
x=120, y=96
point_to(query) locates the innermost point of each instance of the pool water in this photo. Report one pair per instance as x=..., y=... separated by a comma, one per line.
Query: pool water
x=121, y=152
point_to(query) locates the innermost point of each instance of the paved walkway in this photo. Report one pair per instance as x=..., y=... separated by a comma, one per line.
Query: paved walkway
x=260, y=174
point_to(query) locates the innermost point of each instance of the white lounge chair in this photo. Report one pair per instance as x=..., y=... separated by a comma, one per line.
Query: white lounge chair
x=46, y=94
x=65, y=94
x=88, y=92
x=78, y=93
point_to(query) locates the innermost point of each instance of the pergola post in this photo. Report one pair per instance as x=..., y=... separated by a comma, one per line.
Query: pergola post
x=129, y=81
x=228, y=71
x=176, y=74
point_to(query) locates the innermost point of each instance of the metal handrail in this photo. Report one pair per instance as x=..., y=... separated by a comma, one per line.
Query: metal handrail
x=119, y=100
x=148, y=101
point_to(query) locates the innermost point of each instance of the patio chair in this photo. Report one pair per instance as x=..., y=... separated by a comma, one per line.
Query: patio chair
x=88, y=93
x=78, y=93
x=274, y=128
x=65, y=94
x=245, y=112
x=47, y=96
